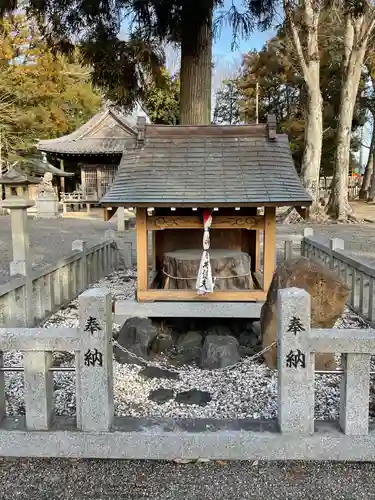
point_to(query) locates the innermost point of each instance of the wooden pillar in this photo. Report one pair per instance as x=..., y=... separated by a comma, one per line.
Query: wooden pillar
x=83, y=181
x=62, y=179
x=99, y=183
x=154, y=251
x=257, y=251
x=269, y=246
x=142, y=249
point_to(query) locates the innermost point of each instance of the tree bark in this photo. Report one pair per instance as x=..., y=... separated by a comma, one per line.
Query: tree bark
x=309, y=61
x=196, y=67
x=230, y=268
x=356, y=38
x=310, y=168
x=338, y=206
x=363, y=193
x=371, y=193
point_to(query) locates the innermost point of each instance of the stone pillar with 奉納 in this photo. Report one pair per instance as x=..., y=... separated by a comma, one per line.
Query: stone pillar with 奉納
x=295, y=363
x=95, y=408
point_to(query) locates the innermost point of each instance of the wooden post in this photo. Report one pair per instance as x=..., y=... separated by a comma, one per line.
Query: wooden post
x=269, y=245
x=83, y=181
x=142, y=249
x=257, y=251
x=62, y=179
x=153, y=250
x=99, y=193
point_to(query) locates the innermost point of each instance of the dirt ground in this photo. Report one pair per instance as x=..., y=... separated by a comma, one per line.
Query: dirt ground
x=51, y=239
x=364, y=210
x=135, y=480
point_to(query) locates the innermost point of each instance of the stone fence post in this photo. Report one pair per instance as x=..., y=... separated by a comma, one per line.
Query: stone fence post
x=94, y=362
x=81, y=246
x=307, y=233
x=334, y=244
x=288, y=249
x=120, y=219
x=295, y=363
x=22, y=260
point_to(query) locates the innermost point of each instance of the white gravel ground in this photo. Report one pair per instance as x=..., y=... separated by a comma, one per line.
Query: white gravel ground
x=247, y=391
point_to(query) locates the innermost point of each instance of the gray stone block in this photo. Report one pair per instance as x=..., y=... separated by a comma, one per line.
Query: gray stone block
x=136, y=335
x=354, y=394
x=129, y=308
x=95, y=408
x=190, y=340
x=294, y=361
x=38, y=390
x=166, y=439
x=219, y=352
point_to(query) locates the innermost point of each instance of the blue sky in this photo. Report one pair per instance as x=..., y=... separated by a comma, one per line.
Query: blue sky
x=222, y=47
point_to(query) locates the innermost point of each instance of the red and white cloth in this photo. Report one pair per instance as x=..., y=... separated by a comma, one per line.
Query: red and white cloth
x=205, y=282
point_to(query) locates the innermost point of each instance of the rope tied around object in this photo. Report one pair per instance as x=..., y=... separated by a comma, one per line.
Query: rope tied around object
x=215, y=278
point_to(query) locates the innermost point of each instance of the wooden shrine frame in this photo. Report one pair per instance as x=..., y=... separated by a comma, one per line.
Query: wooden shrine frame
x=266, y=223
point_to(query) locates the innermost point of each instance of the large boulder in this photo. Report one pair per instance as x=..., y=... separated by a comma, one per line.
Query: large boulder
x=219, y=352
x=136, y=335
x=328, y=298
x=189, y=346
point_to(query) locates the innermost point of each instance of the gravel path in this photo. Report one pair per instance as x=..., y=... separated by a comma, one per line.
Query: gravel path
x=133, y=480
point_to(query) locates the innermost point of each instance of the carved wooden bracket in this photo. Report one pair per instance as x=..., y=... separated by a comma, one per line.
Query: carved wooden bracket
x=255, y=222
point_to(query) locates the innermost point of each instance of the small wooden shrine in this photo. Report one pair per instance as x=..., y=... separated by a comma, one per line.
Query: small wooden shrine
x=189, y=183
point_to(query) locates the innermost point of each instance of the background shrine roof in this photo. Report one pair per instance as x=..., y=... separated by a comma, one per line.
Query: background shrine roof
x=208, y=165
x=17, y=176
x=39, y=167
x=108, y=132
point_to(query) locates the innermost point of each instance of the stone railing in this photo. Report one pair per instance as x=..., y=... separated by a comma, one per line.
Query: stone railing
x=96, y=433
x=32, y=295
x=28, y=300
x=357, y=272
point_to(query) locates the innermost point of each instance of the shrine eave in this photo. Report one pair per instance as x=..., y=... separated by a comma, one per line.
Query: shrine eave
x=208, y=166
x=212, y=204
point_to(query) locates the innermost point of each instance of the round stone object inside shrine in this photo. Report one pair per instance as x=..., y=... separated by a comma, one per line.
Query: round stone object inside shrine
x=231, y=269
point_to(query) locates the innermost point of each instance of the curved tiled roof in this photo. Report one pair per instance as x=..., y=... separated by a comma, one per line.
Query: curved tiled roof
x=16, y=176
x=205, y=166
x=108, y=132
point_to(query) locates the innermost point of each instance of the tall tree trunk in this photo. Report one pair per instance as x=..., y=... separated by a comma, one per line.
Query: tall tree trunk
x=371, y=193
x=363, y=193
x=309, y=61
x=310, y=168
x=196, y=67
x=356, y=38
x=338, y=205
